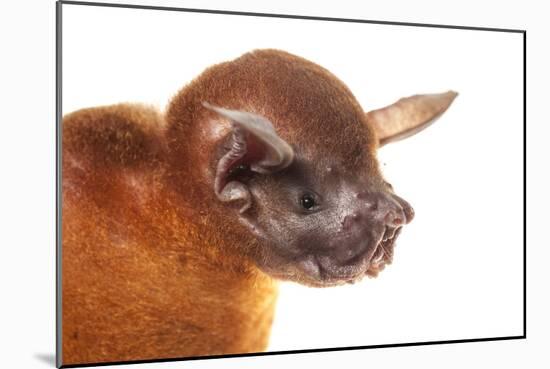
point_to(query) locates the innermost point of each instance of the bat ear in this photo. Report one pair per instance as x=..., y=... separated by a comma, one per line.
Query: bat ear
x=255, y=146
x=408, y=116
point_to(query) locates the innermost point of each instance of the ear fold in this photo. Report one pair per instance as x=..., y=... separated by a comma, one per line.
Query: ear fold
x=408, y=116
x=254, y=145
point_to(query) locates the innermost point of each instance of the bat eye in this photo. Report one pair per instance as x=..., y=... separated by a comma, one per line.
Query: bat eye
x=307, y=201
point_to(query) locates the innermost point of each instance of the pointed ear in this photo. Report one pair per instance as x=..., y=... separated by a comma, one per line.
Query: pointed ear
x=254, y=145
x=408, y=116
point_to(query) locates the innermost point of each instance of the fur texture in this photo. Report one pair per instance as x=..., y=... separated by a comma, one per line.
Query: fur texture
x=146, y=274
x=154, y=265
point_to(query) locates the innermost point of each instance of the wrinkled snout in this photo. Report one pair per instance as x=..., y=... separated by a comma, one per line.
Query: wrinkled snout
x=376, y=219
x=384, y=208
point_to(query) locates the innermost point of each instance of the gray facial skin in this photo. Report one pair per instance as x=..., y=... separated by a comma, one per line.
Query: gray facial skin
x=318, y=205
x=325, y=227
x=319, y=223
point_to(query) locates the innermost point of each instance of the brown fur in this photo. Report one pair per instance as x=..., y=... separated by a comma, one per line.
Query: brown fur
x=153, y=264
x=145, y=274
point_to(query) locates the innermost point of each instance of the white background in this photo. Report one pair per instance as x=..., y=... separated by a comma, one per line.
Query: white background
x=424, y=258
x=454, y=275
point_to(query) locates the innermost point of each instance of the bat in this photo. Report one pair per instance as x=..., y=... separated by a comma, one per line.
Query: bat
x=178, y=225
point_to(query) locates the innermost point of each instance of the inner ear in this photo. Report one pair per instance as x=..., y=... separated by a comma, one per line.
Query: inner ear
x=254, y=144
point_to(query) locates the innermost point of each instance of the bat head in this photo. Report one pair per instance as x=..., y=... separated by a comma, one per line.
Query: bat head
x=295, y=162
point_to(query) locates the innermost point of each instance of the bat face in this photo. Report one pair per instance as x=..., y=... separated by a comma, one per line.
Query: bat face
x=324, y=225
x=314, y=198
x=297, y=165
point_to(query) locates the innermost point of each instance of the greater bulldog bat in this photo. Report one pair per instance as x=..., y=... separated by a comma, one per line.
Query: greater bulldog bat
x=176, y=226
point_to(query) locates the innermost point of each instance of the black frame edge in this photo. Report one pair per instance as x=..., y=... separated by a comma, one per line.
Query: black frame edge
x=59, y=112
x=58, y=194
x=306, y=351
x=525, y=184
x=288, y=16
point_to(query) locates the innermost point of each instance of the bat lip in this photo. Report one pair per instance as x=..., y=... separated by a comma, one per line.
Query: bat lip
x=316, y=269
x=369, y=263
x=383, y=255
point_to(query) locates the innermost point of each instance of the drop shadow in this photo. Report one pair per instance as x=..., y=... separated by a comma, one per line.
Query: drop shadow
x=46, y=358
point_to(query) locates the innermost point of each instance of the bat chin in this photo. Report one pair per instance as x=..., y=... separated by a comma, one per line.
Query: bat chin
x=325, y=271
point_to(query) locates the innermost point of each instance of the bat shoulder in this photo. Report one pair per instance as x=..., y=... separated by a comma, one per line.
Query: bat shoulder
x=122, y=135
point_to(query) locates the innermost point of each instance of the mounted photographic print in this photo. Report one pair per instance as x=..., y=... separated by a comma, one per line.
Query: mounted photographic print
x=235, y=184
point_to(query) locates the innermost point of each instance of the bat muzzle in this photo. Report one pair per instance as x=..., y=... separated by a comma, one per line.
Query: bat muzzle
x=367, y=238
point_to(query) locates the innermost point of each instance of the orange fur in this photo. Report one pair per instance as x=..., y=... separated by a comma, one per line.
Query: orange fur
x=153, y=265
x=144, y=274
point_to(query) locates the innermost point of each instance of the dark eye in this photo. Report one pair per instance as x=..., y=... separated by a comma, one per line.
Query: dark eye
x=307, y=201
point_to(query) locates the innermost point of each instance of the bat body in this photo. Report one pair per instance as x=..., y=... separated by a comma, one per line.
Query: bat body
x=143, y=276
x=178, y=225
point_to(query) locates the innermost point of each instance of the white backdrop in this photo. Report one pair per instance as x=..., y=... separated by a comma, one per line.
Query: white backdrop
x=27, y=206
x=458, y=267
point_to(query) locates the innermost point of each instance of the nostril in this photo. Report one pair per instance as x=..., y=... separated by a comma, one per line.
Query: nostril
x=397, y=222
x=393, y=219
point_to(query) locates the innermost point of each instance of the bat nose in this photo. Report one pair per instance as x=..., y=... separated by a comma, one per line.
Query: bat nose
x=376, y=217
x=392, y=218
x=386, y=208
x=407, y=209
